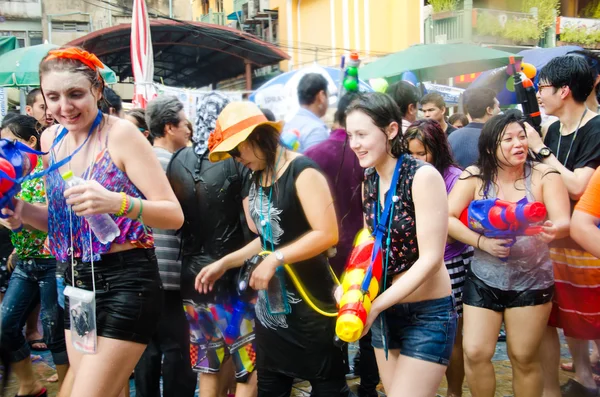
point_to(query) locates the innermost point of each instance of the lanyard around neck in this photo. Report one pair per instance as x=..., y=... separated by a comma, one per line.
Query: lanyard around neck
x=572, y=141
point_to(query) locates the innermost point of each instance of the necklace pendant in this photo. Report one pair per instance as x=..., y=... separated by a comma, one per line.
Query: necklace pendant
x=395, y=199
x=263, y=223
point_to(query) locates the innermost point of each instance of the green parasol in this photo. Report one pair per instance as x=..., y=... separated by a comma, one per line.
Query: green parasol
x=436, y=61
x=20, y=67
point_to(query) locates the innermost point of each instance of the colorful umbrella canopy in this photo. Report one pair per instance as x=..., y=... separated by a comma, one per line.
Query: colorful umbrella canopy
x=20, y=67
x=280, y=94
x=142, y=58
x=501, y=81
x=436, y=61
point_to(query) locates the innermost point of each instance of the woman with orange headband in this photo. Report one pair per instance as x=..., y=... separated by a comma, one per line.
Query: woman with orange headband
x=123, y=179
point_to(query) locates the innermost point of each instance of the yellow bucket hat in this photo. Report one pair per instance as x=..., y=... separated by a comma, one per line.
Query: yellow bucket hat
x=235, y=123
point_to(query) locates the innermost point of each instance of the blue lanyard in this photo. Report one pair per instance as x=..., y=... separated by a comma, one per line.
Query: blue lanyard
x=266, y=223
x=380, y=223
x=63, y=132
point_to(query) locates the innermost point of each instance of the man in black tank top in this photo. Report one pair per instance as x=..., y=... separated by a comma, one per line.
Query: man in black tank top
x=572, y=146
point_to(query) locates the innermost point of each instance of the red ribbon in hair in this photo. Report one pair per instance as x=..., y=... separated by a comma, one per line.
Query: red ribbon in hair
x=87, y=58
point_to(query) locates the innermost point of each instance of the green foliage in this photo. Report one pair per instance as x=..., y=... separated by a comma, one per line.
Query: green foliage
x=592, y=10
x=488, y=24
x=547, y=10
x=522, y=29
x=443, y=5
x=587, y=37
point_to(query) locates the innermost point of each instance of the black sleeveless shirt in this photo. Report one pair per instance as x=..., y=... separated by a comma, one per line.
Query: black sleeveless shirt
x=404, y=250
x=299, y=344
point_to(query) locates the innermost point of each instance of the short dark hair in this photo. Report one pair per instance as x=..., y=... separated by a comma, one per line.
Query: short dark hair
x=110, y=99
x=23, y=127
x=344, y=102
x=32, y=95
x=571, y=71
x=477, y=100
x=161, y=111
x=383, y=110
x=458, y=116
x=309, y=86
x=404, y=94
x=435, y=98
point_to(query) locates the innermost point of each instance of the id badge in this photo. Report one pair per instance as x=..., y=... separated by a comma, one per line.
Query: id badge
x=82, y=309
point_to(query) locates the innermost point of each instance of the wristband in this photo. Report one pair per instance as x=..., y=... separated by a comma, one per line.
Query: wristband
x=123, y=205
x=130, y=206
x=479, y=238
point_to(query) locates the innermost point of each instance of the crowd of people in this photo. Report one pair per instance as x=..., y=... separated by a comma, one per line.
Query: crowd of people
x=231, y=242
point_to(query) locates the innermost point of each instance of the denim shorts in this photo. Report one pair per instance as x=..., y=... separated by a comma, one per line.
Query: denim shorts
x=423, y=330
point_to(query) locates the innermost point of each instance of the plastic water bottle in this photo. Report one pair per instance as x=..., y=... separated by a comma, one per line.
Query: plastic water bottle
x=103, y=226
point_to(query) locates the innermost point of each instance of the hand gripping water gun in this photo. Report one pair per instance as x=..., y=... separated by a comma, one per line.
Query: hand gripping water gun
x=16, y=163
x=497, y=218
x=360, y=285
x=526, y=96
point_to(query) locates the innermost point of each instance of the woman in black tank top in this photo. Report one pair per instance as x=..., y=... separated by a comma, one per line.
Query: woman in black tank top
x=292, y=208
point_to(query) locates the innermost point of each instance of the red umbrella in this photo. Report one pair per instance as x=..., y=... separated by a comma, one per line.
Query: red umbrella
x=142, y=57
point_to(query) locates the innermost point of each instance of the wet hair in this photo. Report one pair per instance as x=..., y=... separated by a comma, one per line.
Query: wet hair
x=518, y=114
x=458, y=116
x=32, y=96
x=71, y=66
x=404, y=94
x=477, y=100
x=23, y=127
x=268, y=114
x=435, y=98
x=593, y=60
x=161, y=111
x=342, y=107
x=429, y=132
x=110, y=99
x=309, y=86
x=489, y=141
x=265, y=138
x=383, y=111
x=570, y=71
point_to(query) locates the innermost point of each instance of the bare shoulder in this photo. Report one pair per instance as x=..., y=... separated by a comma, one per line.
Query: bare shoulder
x=48, y=136
x=122, y=129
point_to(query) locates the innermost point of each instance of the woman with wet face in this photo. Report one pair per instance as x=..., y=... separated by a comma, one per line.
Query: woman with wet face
x=413, y=320
x=123, y=179
x=508, y=280
x=292, y=208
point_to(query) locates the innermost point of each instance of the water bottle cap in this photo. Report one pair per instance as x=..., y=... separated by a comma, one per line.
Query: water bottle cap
x=67, y=175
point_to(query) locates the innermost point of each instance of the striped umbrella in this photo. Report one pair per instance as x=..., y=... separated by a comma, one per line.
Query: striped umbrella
x=142, y=57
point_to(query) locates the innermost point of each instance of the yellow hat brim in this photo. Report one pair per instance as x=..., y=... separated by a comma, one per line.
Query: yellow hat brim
x=220, y=152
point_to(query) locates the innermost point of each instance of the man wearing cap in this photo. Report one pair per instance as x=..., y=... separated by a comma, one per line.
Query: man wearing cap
x=306, y=128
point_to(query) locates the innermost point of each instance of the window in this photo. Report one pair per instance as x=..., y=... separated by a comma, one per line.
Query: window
x=35, y=38
x=70, y=26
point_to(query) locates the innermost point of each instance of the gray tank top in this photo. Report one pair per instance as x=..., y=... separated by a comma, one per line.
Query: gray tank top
x=527, y=267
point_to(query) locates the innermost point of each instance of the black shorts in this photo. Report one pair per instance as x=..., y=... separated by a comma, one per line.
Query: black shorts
x=129, y=294
x=479, y=294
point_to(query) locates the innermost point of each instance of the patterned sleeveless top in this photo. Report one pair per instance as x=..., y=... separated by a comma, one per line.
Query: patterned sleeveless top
x=105, y=172
x=404, y=249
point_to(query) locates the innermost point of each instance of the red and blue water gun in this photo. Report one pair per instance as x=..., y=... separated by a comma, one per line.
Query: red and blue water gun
x=495, y=218
x=17, y=161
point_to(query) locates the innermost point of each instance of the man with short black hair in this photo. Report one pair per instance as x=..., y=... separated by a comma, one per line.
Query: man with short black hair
x=481, y=104
x=36, y=107
x=433, y=107
x=407, y=97
x=306, y=127
x=572, y=147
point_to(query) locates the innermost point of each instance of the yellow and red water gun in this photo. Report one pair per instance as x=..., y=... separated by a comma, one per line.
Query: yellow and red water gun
x=360, y=286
